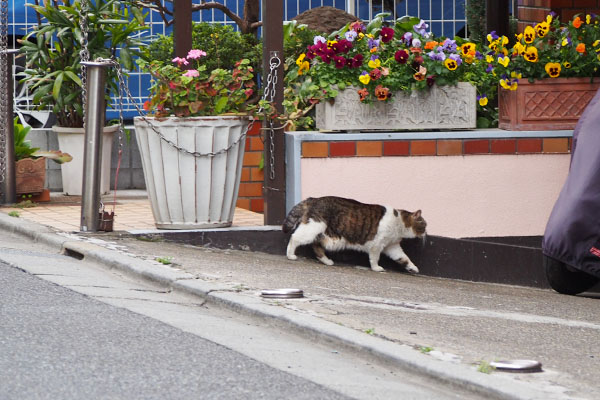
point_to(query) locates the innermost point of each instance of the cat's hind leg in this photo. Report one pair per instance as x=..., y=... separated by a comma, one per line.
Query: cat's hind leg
x=395, y=252
x=374, y=254
x=320, y=253
x=306, y=233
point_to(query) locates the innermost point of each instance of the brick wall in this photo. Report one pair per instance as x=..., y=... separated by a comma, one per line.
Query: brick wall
x=250, y=195
x=439, y=147
x=533, y=11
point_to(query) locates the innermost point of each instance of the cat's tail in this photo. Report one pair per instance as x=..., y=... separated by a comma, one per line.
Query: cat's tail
x=293, y=218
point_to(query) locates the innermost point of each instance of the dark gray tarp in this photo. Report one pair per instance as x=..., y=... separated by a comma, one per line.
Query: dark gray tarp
x=573, y=231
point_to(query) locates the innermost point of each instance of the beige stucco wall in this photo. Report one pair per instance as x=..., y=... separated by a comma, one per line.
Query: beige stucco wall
x=461, y=196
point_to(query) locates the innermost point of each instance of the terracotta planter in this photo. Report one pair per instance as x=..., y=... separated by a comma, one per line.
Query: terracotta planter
x=547, y=104
x=441, y=107
x=192, y=191
x=30, y=175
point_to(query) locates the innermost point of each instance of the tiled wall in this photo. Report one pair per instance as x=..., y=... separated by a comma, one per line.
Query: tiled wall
x=533, y=11
x=452, y=147
x=250, y=196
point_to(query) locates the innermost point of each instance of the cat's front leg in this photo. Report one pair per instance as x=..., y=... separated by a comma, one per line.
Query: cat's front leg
x=374, y=255
x=395, y=252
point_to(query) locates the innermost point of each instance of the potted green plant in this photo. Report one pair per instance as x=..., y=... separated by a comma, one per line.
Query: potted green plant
x=192, y=143
x=393, y=75
x=30, y=168
x=547, y=78
x=53, y=68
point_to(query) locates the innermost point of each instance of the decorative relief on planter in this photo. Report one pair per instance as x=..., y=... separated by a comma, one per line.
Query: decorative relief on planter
x=441, y=107
x=547, y=104
x=30, y=175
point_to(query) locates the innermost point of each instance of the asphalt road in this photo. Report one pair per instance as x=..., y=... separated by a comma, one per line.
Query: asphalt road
x=73, y=330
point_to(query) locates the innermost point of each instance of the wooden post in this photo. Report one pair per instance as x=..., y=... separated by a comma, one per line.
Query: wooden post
x=182, y=30
x=497, y=16
x=274, y=182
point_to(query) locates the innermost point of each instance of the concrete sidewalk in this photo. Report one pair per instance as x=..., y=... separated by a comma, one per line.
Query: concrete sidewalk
x=441, y=328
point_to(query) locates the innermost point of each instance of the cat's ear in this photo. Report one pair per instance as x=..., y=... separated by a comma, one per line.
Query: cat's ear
x=417, y=214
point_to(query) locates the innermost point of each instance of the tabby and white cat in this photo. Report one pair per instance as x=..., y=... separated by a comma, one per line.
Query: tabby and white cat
x=335, y=223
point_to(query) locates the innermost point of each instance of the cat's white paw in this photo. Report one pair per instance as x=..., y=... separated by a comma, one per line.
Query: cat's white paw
x=292, y=257
x=377, y=268
x=412, y=269
x=326, y=261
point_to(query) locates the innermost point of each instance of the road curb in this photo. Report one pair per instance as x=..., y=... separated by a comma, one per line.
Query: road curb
x=250, y=303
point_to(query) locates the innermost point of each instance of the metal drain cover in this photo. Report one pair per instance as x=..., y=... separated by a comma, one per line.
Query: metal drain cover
x=282, y=293
x=517, y=365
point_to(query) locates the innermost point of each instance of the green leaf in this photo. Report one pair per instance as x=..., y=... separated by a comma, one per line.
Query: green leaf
x=57, y=85
x=220, y=104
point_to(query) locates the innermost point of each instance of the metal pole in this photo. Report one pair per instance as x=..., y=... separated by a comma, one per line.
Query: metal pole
x=274, y=183
x=92, y=150
x=9, y=186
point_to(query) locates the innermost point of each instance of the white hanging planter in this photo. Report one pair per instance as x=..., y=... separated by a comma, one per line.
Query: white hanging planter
x=189, y=191
x=71, y=140
x=441, y=107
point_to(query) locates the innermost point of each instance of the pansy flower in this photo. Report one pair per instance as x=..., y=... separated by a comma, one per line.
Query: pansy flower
x=382, y=93
x=357, y=26
x=421, y=28
x=431, y=45
x=503, y=60
x=374, y=62
x=420, y=74
x=340, y=62
x=467, y=48
x=350, y=35
x=553, y=69
x=387, y=34
x=580, y=48
x=357, y=60
x=542, y=29
x=482, y=100
x=363, y=94
x=364, y=78
x=450, y=64
x=375, y=74
x=430, y=80
x=529, y=34
x=577, y=22
x=531, y=54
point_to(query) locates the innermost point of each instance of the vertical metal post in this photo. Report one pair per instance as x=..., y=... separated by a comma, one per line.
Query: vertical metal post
x=274, y=183
x=92, y=150
x=9, y=186
x=182, y=30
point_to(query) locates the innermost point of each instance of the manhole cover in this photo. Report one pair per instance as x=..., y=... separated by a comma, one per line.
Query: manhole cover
x=517, y=365
x=282, y=293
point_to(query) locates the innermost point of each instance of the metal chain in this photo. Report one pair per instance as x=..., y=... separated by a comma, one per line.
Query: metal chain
x=274, y=64
x=4, y=106
x=84, y=54
x=269, y=95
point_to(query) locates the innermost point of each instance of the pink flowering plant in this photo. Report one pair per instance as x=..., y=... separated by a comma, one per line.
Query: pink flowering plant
x=382, y=58
x=184, y=87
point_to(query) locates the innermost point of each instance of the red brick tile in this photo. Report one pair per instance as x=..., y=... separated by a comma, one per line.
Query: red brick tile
x=252, y=159
x=422, y=147
x=257, y=205
x=257, y=174
x=449, y=147
x=541, y=3
x=256, y=144
x=529, y=145
x=342, y=149
x=559, y=3
x=369, y=149
x=245, y=174
x=556, y=145
x=247, y=144
x=396, y=148
x=250, y=189
x=255, y=129
x=503, y=146
x=315, y=149
x=479, y=146
x=243, y=203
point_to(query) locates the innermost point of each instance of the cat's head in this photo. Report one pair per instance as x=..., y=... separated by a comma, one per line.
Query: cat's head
x=416, y=222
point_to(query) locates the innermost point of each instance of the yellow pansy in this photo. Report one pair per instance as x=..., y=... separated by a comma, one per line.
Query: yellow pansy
x=553, y=69
x=518, y=49
x=376, y=63
x=542, y=29
x=504, y=40
x=483, y=101
x=516, y=75
x=588, y=19
x=565, y=42
x=364, y=78
x=503, y=60
x=567, y=64
x=549, y=19
x=596, y=43
x=529, y=34
x=450, y=64
x=300, y=59
x=531, y=54
x=305, y=66
x=489, y=59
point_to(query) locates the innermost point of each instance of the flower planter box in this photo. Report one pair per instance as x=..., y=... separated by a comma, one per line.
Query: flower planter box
x=30, y=175
x=547, y=104
x=441, y=107
x=192, y=191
